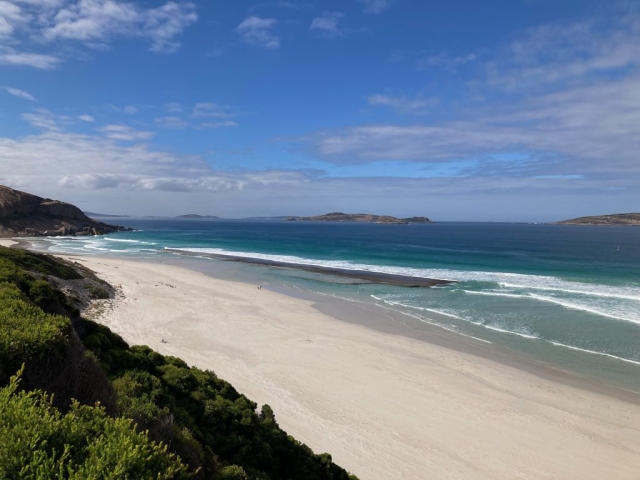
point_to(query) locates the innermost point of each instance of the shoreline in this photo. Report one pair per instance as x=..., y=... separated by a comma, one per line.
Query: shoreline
x=365, y=276
x=345, y=310
x=9, y=242
x=384, y=405
x=378, y=316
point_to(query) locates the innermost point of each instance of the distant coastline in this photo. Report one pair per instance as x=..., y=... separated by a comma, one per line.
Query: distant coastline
x=360, y=217
x=614, y=219
x=104, y=215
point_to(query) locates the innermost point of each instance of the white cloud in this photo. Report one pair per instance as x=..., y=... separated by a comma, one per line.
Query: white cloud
x=129, y=110
x=19, y=93
x=585, y=130
x=36, y=60
x=210, y=109
x=376, y=6
x=327, y=24
x=172, y=122
x=46, y=120
x=163, y=24
x=446, y=61
x=125, y=133
x=95, y=23
x=557, y=53
x=175, y=122
x=89, y=162
x=103, y=20
x=226, y=123
x=572, y=110
x=86, y=118
x=259, y=31
x=173, y=107
x=416, y=106
x=11, y=18
x=93, y=171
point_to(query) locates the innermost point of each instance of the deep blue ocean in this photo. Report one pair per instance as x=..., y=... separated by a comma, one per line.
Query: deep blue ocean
x=567, y=295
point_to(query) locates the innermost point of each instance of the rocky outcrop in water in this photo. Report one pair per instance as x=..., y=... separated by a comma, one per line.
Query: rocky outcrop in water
x=26, y=215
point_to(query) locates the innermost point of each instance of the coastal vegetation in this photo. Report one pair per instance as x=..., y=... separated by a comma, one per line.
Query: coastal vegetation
x=76, y=401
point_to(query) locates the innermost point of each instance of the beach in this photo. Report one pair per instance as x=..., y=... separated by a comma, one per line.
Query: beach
x=384, y=405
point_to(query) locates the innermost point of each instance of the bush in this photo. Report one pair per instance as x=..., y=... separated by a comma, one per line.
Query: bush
x=233, y=472
x=27, y=333
x=42, y=264
x=37, y=441
x=97, y=292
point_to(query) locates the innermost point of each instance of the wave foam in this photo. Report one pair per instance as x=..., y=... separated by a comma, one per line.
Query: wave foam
x=605, y=311
x=558, y=344
x=503, y=279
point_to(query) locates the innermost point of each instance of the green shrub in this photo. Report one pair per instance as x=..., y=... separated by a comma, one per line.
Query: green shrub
x=39, y=442
x=27, y=333
x=97, y=292
x=233, y=472
x=43, y=264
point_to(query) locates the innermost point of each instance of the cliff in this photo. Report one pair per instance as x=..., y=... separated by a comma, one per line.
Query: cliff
x=360, y=217
x=616, y=219
x=26, y=215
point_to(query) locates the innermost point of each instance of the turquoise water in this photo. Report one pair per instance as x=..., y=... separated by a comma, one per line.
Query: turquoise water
x=568, y=295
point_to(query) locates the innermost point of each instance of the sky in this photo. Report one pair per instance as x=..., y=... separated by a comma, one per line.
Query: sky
x=499, y=110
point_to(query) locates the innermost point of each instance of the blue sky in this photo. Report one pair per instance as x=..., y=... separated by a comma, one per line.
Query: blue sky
x=519, y=110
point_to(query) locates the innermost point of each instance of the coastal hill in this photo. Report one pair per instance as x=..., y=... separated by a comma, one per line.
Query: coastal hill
x=23, y=214
x=616, y=219
x=193, y=215
x=360, y=217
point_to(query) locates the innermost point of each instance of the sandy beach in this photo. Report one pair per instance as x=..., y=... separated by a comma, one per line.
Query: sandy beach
x=385, y=406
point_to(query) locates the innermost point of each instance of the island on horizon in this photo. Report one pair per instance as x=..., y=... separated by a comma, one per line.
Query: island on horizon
x=360, y=217
x=194, y=215
x=104, y=215
x=614, y=219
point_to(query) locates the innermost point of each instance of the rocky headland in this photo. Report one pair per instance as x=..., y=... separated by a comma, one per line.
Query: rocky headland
x=360, y=217
x=25, y=215
x=616, y=219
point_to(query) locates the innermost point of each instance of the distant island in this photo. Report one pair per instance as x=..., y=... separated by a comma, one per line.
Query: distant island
x=193, y=215
x=616, y=219
x=360, y=217
x=104, y=215
x=25, y=215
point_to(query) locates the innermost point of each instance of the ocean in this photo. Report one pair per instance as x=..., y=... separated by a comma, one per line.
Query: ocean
x=568, y=296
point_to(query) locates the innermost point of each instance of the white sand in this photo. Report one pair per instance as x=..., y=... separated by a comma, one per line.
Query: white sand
x=5, y=242
x=386, y=407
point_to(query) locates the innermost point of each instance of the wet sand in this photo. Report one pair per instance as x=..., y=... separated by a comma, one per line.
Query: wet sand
x=362, y=275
